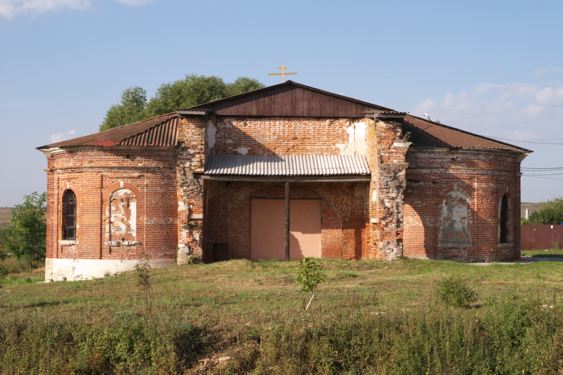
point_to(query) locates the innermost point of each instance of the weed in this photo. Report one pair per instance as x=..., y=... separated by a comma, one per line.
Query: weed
x=454, y=291
x=309, y=275
x=107, y=274
x=143, y=275
x=556, y=245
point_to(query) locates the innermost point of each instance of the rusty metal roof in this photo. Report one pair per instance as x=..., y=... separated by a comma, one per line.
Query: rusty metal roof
x=157, y=131
x=426, y=133
x=292, y=165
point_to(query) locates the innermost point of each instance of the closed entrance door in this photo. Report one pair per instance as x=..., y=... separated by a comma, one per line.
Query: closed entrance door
x=267, y=228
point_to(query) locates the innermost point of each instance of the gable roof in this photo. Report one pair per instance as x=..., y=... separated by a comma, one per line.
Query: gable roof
x=285, y=99
x=426, y=133
x=289, y=99
x=157, y=131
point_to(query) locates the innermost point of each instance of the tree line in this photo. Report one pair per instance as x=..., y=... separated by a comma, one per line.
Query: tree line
x=551, y=212
x=192, y=90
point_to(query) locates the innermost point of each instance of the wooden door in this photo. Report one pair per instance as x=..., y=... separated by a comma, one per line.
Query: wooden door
x=267, y=228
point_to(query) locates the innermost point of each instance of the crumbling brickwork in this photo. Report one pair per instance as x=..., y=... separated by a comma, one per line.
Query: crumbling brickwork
x=420, y=202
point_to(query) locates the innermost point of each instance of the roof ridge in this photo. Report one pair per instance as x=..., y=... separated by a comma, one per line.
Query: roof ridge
x=138, y=122
x=471, y=134
x=289, y=83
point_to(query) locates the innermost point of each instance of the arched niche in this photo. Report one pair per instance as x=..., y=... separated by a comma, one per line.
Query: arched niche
x=123, y=215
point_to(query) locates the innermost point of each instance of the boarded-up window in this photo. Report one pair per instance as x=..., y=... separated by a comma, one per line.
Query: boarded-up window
x=504, y=220
x=69, y=215
x=454, y=219
x=123, y=216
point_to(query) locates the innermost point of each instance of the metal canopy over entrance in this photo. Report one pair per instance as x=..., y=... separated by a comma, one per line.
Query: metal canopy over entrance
x=300, y=217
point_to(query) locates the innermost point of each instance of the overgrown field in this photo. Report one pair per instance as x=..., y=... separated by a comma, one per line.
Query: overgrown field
x=369, y=317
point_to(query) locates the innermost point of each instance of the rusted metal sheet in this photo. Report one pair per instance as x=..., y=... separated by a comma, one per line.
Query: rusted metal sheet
x=540, y=237
x=291, y=165
x=426, y=133
x=164, y=134
x=157, y=131
x=290, y=99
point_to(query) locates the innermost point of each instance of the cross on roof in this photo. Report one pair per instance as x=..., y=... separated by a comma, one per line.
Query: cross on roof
x=282, y=74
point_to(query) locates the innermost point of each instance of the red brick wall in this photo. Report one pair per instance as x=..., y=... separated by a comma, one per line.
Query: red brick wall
x=94, y=175
x=397, y=213
x=285, y=136
x=343, y=218
x=483, y=177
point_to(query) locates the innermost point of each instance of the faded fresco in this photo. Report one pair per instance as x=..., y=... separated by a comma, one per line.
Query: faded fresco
x=123, y=216
x=454, y=219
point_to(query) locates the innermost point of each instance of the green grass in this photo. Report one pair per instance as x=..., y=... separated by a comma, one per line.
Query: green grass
x=241, y=317
x=550, y=253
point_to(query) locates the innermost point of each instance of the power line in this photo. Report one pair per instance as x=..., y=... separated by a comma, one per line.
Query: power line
x=538, y=143
x=541, y=169
x=544, y=178
x=551, y=174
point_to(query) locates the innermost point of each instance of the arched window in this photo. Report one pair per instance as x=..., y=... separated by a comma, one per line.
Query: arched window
x=504, y=219
x=69, y=215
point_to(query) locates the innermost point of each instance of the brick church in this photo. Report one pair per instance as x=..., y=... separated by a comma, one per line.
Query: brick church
x=283, y=172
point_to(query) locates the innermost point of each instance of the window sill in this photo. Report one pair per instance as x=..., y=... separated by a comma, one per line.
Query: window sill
x=68, y=242
x=455, y=244
x=505, y=245
x=123, y=243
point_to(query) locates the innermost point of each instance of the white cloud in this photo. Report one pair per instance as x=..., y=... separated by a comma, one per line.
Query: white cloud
x=62, y=136
x=11, y=8
x=134, y=3
x=520, y=111
x=553, y=69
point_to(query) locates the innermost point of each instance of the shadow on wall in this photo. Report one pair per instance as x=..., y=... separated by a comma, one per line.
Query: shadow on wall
x=343, y=219
x=441, y=221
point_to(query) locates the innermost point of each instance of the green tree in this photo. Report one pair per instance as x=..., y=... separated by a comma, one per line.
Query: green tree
x=192, y=90
x=25, y=237
x=132, y=109
x=551, y=212
x=242, y=85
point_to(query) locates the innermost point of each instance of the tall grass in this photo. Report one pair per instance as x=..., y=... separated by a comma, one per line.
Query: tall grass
x=515, y=335
x=216, y=318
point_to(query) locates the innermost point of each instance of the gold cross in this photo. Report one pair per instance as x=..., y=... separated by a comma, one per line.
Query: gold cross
x=282, y=74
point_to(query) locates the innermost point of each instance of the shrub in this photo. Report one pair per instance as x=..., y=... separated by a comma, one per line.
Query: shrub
x=454, y=291
x=309, y=275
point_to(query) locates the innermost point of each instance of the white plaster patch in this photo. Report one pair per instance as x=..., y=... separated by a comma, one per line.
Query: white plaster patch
x=182, y=206
x=229, y=141
x=242, y=150
x=356, y=140
x=211, y=133
x=123, y=213
x=374, y=196
x=82, y=269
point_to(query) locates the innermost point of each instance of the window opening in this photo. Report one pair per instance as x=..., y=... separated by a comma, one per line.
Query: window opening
x=504, y=220
x=69, y=215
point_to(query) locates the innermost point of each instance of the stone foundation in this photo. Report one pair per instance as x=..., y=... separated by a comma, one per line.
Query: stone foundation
x=86, y=269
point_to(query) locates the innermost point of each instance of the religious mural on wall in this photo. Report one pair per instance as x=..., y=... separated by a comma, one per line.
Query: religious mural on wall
x=454, y=219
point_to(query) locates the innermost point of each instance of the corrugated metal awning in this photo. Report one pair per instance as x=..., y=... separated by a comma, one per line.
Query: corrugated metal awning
x=294, y=165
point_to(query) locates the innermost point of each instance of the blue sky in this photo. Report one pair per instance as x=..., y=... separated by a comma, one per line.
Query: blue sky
x=494, y=68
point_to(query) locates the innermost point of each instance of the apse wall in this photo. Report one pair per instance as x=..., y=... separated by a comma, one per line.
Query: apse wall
x=126, y=204
x=453, y=205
